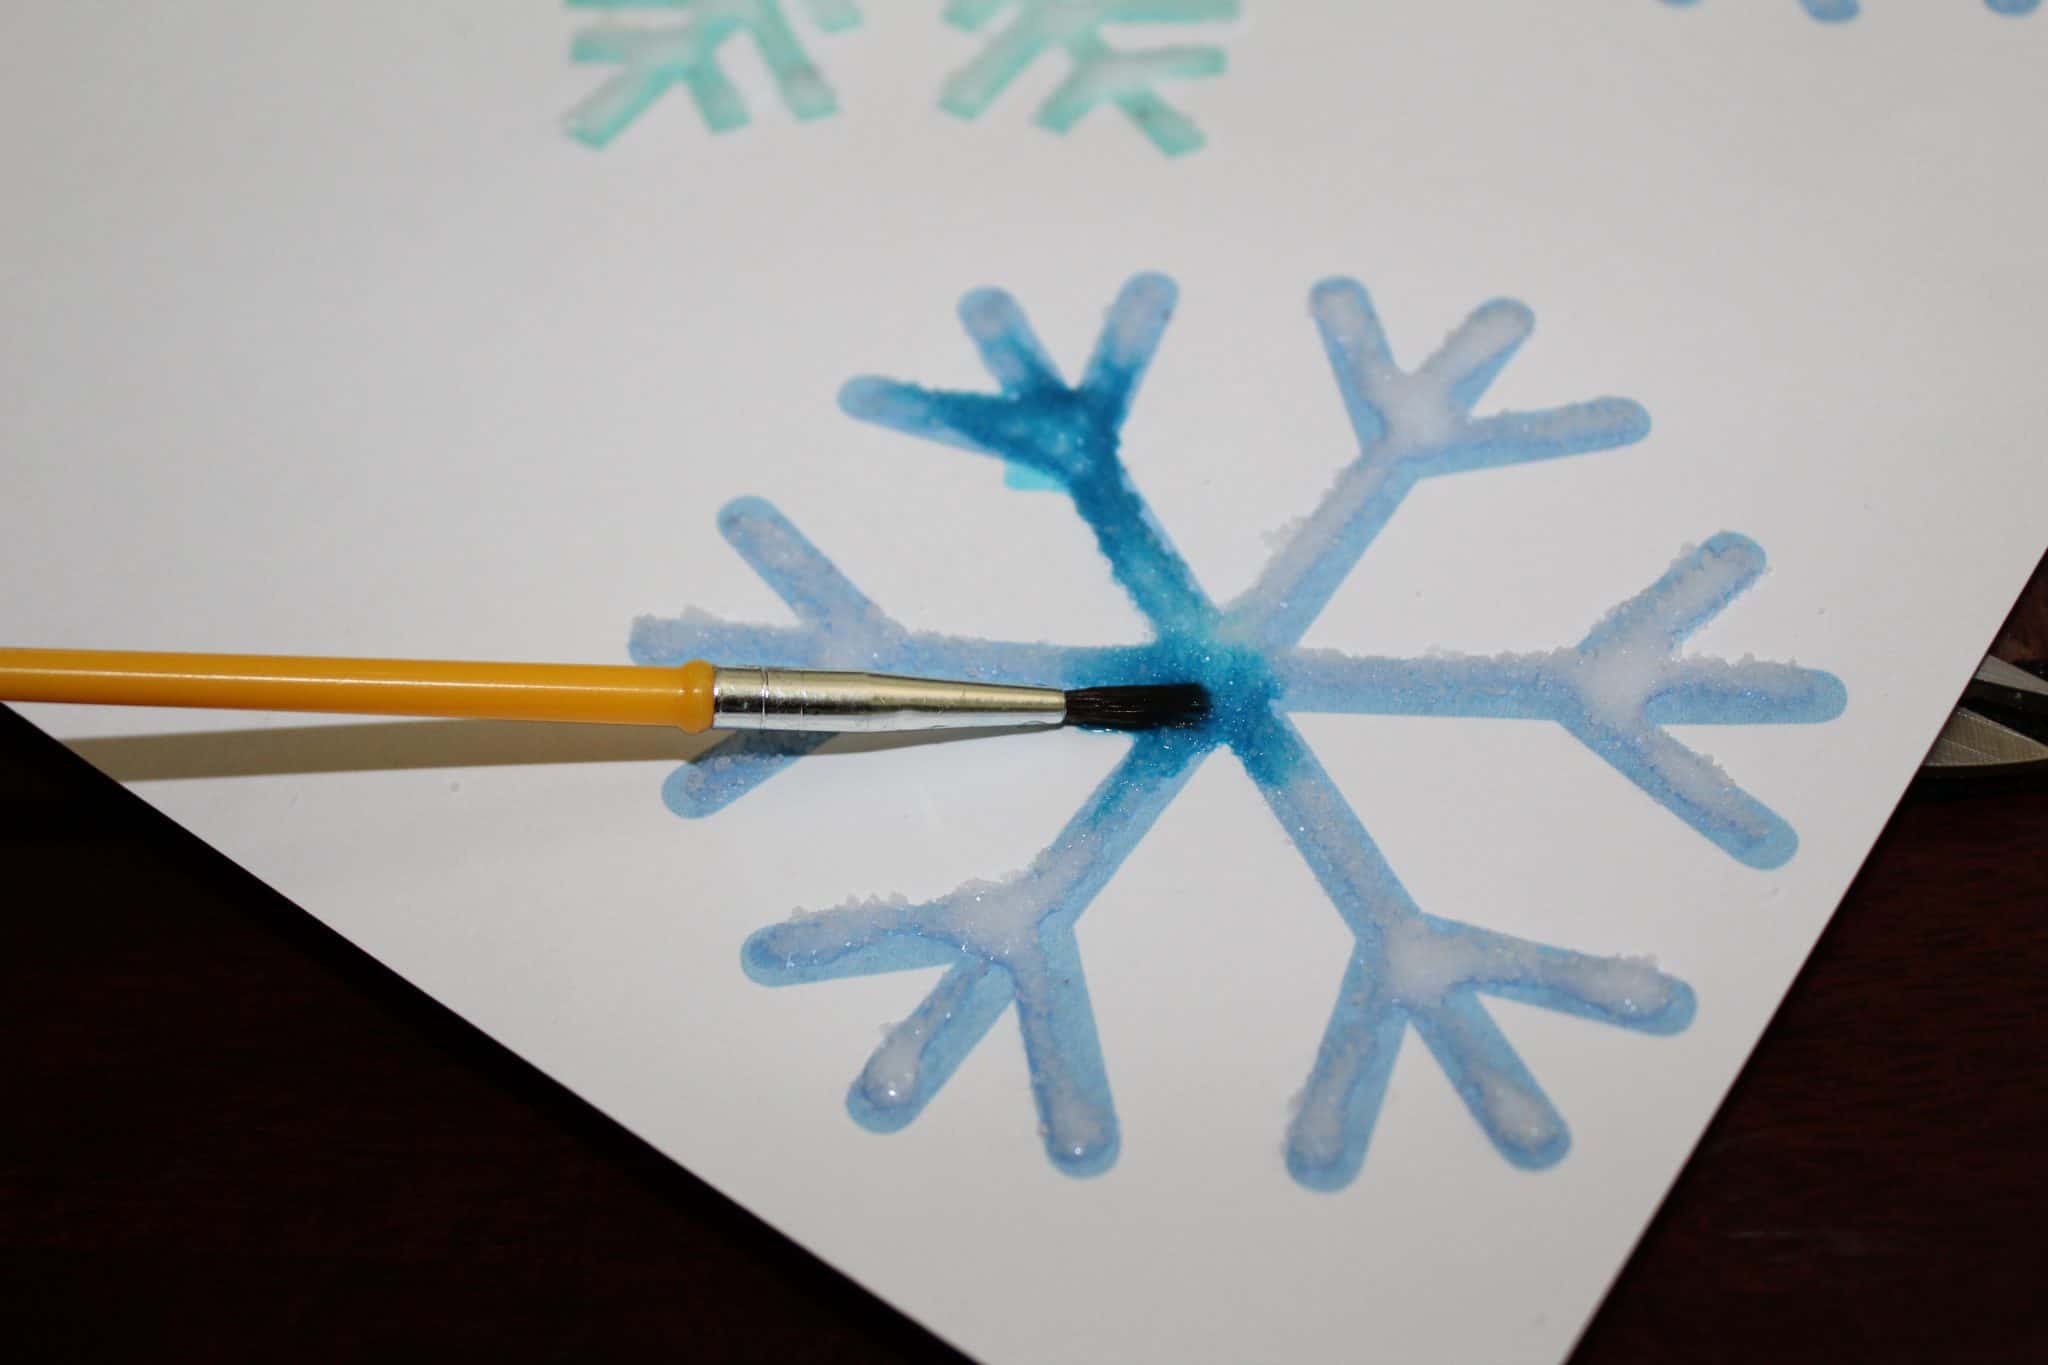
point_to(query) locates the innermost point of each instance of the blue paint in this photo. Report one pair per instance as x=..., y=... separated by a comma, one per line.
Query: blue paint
x=1012, y=943
x=1840, y=11
x=1098, y=73
x=652, y=59
x=1025, y=479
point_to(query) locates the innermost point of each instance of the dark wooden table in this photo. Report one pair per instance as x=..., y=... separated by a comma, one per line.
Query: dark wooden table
x=228, y=1135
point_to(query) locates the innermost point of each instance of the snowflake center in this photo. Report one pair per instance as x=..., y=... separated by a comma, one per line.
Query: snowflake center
x=1240, y=680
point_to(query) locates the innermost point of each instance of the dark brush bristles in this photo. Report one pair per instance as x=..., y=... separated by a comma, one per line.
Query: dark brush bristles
x=1138, y=708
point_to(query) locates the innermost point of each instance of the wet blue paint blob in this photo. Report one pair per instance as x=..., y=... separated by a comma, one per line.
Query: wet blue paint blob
x=1009, y=944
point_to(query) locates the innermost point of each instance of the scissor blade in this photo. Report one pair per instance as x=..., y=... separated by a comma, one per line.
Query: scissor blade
x=1999, y=673
x=1971, y=741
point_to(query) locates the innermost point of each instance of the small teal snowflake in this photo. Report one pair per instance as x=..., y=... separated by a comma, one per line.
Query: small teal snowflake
x=651, y=58
x=1098, y=73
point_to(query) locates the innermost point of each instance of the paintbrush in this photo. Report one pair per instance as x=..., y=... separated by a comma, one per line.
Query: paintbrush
x=694, y=697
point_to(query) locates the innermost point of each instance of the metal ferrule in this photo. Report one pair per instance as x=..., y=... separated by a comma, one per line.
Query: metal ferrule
x=868, y=703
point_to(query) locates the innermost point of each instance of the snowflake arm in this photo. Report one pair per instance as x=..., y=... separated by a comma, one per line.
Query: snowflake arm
x=1408, y=968
x=1615, y=691
x=1622, y=662
x=1069, y=435
x=1003, y=943
x=1411, y=426
x=841, y=628
x=1536, y=687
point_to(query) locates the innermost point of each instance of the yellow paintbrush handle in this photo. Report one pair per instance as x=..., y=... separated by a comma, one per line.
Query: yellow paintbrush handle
x=610, y=694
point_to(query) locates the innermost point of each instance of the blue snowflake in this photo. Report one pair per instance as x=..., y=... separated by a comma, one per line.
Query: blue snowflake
x=1835, y=11
x=652, y=58
x=1011, y=943
x=1098, y=74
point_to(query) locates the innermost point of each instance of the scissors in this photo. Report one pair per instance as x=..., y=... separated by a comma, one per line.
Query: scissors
x=1998, y=731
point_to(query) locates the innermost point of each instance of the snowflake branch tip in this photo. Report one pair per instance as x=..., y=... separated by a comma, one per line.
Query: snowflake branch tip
x=1340, y=1105
x=1010, y=350
x=800, y=574
x=1472, y=356
x=1696, y=588
x=1430, y=957
x=1130, y=338
x=869, y=937
x=1751, y=692
x=1356, y=345
x=918, y=1056
x=1009, y=426
x=1491, y=1078
x=1521, y=437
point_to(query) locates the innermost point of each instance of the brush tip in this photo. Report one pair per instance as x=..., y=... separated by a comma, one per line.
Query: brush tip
x=1145, y=707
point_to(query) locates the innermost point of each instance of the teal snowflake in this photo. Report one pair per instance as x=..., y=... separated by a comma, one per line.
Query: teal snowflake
x=652, y=58
x=1098, y=73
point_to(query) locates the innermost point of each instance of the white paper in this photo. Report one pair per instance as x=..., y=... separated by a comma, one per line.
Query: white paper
x=318, y=334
